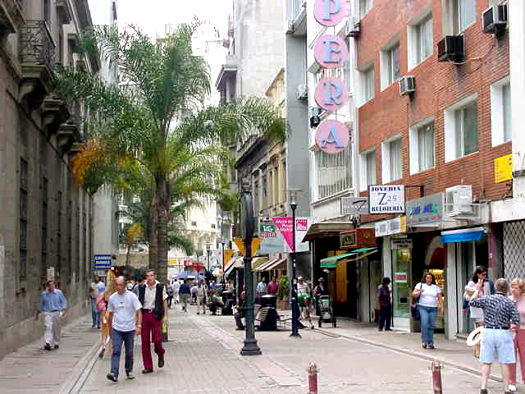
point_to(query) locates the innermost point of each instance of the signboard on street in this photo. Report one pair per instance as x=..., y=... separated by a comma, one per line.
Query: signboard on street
x=393, y=226
x=425, y=210
x=386, y=199
x=401, y=243
x=400, y=277
x=102, y=261
x=503, y=169
x=354, y=205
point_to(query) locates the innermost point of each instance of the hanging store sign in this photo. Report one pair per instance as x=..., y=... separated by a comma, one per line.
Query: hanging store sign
x=284, y=224
x=329, y=12
x=392, y=226
x=354, y=205
x=358, y=238
x=332, y=136
x=386, y=199
x=330, y=51
x=425, y=211
x=400, y=277
x=331, y=94
x=102, y=261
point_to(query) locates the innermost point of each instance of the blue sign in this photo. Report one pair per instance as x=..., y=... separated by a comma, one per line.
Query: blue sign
x=102, y=261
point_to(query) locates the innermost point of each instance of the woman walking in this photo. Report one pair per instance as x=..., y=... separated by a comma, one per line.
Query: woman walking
x=384, y=301
x=430, y=300
x=476, y=314
x=517, y=290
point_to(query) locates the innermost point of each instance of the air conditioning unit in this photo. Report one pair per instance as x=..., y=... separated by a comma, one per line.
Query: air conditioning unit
x=458, y=200
x=495, y=19
x=451, y=49
x=407, y=85
x=352, y=28
x=315, y=118
x=302, y=92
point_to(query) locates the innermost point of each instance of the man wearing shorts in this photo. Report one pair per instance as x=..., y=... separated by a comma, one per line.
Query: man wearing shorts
x=501, y=316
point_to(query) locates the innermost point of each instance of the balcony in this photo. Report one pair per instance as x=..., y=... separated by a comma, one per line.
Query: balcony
x=296, y=19
x=36, y=55
x=11, y=16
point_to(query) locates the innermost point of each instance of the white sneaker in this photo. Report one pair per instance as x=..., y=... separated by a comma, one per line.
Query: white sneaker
x=512, y=388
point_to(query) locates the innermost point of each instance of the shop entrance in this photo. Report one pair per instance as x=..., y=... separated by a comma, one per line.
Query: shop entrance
x=435, y=261
x=401, y=289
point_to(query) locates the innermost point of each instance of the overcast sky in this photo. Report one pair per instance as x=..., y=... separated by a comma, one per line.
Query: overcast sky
x=153, y=15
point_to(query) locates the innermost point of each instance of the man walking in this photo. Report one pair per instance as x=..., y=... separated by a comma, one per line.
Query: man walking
x=96, y=289
x=261, y=290
x=202, y=295
x=184, y=292
x=384, y=302
x=125, y=320
x=153, y=298
x=273, y=286
x=500, y=315
x=53, y=305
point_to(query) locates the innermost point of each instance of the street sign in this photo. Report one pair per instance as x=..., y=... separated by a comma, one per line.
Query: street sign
x=102, y=261
x=386, y=199
x=354, y=205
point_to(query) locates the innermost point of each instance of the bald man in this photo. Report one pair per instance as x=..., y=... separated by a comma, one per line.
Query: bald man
x=125, y=320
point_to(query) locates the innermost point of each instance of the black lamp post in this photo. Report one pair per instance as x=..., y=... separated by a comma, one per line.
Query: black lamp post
x=250, y=347
x=293, y=281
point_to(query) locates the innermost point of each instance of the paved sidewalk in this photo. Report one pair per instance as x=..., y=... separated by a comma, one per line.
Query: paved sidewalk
x=31, y=369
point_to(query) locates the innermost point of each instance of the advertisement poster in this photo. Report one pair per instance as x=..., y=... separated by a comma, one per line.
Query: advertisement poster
x=276, y=235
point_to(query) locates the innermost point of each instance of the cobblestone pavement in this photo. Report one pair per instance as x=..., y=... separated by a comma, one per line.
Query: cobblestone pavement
x=203, y=357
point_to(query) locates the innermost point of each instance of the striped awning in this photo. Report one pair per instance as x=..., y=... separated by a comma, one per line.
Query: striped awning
x=331, y=262
x=237, y=263
x=277, y=264
x=263, y=266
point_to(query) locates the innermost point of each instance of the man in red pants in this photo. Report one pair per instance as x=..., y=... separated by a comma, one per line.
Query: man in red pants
x=152, y=296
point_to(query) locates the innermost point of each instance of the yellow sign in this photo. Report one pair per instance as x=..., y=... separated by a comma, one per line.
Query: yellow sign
x=172, y=262
x=403, y=224
x=503, y=169
x=228, y=254
x=256, y=242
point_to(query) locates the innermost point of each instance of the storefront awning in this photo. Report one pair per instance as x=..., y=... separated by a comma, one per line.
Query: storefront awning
x=327, y=229
x=462, y=235
x=331, y=262
x=276, y=264
x=263, y=266
x=229, y=263
x=238, y=263
x=257, y=262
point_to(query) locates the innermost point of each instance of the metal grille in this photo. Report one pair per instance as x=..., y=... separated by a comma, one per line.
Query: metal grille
x=513, y=242
x=36, y=44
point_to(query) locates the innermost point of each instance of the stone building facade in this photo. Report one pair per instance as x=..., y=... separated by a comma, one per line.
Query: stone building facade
x=45, y=219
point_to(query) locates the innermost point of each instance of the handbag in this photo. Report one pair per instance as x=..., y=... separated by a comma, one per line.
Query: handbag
x=414, y=311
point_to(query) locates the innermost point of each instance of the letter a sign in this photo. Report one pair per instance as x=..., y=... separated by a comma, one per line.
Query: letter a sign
x=332, y=136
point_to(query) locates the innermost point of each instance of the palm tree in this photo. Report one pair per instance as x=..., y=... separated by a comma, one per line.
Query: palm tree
x=154, y=122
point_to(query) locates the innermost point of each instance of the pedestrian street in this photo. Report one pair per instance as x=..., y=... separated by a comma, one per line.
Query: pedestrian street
x=202, y=356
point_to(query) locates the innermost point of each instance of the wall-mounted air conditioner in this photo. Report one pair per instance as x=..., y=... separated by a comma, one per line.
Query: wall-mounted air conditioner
x=302, y=92
x=451, y=49
x=495, y=19
x=458, y=200
x=315, y=117
x=407, y=85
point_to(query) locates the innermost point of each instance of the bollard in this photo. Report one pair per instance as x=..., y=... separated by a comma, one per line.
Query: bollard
x=312, y=378
x=436, y=368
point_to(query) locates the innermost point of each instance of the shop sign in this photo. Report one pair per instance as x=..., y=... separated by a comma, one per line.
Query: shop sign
x=332, y=136
x=503, y=169
x=400, y=277
x=330, y=51
x=391, y=226
x=401, y=243
x=358, y=238
x=354, y=205
x=102, y=261
x=284, y=224
x=425, y=210
x=386, y=199
x=331, y=94
x=172, y=262
x=329, y=12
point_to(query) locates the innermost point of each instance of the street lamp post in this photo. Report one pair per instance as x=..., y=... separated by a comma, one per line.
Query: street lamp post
x=293, y=281
x=250, y=347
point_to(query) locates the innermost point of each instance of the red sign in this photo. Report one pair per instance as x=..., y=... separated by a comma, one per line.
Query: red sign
x=358, y=238
x=198, y=267
x=187, y=263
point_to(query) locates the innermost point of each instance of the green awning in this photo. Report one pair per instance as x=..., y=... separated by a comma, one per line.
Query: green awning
x=331, y=262
x=362, y=250
x=336, y=258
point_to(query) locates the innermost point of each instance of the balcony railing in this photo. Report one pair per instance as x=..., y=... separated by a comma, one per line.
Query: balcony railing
x=294, y=8
x=36, y=44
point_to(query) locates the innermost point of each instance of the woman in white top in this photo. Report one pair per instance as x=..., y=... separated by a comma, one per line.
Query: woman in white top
x=430, y=300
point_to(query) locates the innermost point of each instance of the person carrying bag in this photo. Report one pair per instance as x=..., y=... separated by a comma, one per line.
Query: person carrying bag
x=413, y=308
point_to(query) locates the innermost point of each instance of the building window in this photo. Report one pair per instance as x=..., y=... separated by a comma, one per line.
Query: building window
x=500, y=112
x=461, y=129
x=364, y=7
x=47, y=12
x=347, y=69
x=422, y=146
x=333, y=173
x=367, y=84
x=458, y=15
x=194, y=224
x=369, y=172
x=420, y=39
x=22, y=238
x=283, y=182
x=392, y=160
x=213, y=225
x=390, y=69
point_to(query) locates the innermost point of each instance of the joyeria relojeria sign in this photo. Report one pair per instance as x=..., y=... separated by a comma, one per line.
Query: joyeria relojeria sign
x=331, y=94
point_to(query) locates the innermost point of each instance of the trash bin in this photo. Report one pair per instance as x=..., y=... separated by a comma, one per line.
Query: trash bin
x=269, y=300
x=228, y=298
x=268, y=305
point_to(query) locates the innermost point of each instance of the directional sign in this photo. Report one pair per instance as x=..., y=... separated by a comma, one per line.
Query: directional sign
x=256, y=242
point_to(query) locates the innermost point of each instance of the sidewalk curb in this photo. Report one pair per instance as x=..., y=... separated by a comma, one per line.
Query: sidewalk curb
x=383, y=345
x=81, y=371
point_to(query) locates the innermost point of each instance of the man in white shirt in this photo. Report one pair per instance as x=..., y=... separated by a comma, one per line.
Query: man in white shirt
x=125, y=320
x=153, y=297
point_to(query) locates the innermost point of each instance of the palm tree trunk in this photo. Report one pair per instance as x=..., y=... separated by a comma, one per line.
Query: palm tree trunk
x=163, y=209
x=153, y=236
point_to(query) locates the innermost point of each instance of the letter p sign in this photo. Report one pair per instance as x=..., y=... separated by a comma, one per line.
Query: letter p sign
x=329, y=12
